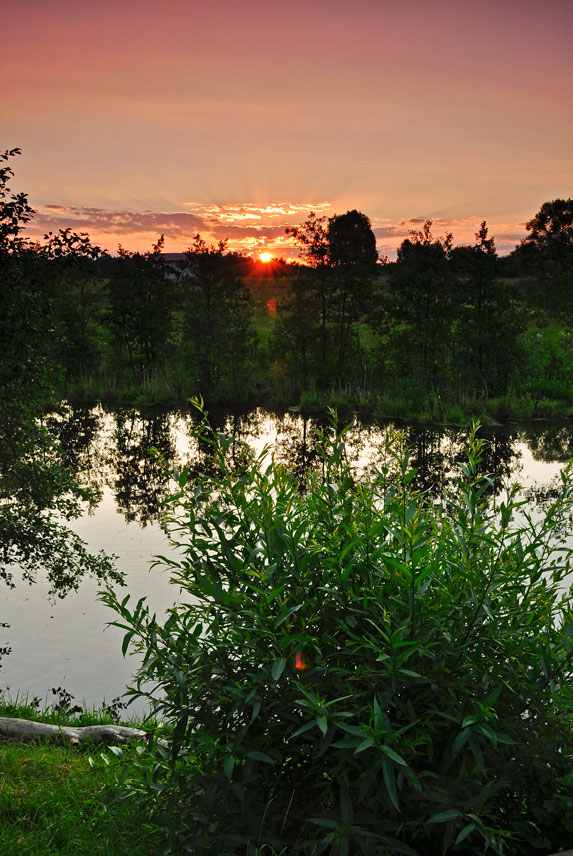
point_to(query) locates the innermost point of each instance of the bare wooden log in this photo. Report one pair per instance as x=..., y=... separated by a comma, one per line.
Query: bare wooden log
x=23, y=729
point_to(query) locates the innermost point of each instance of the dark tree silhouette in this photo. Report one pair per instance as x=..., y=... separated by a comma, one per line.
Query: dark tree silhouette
x=352, y=257
x=141, y=299
x=217, y=341
x=551, y=230
x=482, y=310
x=421, y=303
x=37, y=486
x=312, y=291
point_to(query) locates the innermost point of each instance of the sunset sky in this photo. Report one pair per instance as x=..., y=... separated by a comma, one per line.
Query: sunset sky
x=236, y=118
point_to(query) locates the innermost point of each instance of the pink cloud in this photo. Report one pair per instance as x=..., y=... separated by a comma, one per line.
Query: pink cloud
x=98, y=220
x=247, y=227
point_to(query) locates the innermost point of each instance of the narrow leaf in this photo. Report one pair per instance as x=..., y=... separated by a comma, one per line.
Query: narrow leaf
x=393, y=755
x=444, y=816
x=229, y=764
x=390, y=783
x=260, y=756
x=467, y=830
x=278, y=668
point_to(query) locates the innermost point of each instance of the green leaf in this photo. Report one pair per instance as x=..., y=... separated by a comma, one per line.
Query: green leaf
x=444, y=816
x=260, y=756
x=467, y=830
x=393, y=755
x=390, y=782
x=278, y=668
x=409, y=476
x=460, y=741
x=344, y=552
x=488, y=732
x=322, y=724
x=306, y=727
x=377, y=711
x=365, y=744
x=229, y=765
x=410, y=674
x=126, y=640
x=347, y=743
x=287, y=613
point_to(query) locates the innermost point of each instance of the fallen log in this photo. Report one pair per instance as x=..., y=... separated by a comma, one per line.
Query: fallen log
x=24, y=729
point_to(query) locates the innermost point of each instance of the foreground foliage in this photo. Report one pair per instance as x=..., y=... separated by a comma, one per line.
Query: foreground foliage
x=358, y=668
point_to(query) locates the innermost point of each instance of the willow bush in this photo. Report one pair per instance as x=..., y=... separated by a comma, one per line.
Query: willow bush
x=358, y=668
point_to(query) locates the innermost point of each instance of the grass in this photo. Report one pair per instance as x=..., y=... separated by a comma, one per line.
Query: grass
x=64, y=800
x=53, y=802
x=281, y=392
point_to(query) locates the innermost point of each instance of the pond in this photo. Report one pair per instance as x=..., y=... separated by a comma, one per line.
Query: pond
x=68, y=644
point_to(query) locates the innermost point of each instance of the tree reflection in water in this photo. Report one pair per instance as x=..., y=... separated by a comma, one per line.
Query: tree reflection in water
x=141, y=481
x=79, y=430
x=112, y=447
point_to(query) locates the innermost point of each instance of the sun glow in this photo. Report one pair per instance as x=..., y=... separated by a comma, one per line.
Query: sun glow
x=265, y=257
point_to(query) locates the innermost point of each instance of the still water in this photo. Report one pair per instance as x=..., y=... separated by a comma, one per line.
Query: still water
x=67, y=643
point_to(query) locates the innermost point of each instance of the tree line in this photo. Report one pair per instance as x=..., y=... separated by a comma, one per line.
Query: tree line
x=442, y=323
x=457, y=323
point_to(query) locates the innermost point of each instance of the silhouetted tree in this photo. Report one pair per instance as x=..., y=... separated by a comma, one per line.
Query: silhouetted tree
x=312, y=291
x=141, y=299
x=547, y=254
x=217, y=341
x=78, y=301
x=37, y=487
x=551, y=230
x=478, y=314
x=420, y=301
x=352, y=257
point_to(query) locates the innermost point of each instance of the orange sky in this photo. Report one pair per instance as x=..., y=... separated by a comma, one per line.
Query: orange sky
x=235, y=119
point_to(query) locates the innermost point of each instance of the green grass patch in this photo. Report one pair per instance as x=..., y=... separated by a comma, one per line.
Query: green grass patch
x=52, y=801
x=60, y=799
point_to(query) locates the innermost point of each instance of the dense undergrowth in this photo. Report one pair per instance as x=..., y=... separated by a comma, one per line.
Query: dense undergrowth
x=357, y=668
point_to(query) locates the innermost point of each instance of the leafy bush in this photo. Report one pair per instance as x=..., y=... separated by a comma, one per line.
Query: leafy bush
x=359, y=668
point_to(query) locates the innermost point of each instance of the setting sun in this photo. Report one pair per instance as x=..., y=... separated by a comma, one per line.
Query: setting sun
x=265, y=257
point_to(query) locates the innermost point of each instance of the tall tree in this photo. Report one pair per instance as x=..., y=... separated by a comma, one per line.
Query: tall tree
x=37, y=487
x=312, y=292
x=78, y=301
x=141, y=298
x=420, y=302
x=551, y=230
x=547, y=255
x=217, y=341
x=475, y=268
x=352, y=257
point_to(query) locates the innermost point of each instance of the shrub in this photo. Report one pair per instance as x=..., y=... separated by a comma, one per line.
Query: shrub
x=359, y=668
